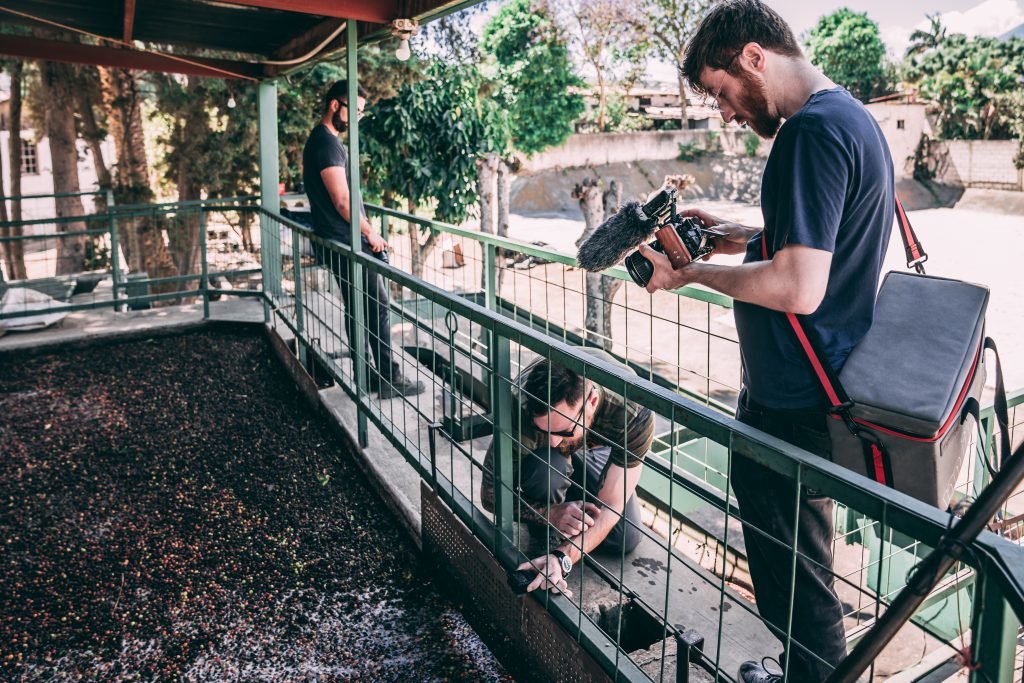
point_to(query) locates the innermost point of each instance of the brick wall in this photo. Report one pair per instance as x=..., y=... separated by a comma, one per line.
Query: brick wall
x=984, y=164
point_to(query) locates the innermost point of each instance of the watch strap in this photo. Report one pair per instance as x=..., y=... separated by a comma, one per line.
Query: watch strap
x=564, y=560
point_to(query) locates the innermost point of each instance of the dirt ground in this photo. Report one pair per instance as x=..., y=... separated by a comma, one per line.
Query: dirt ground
x=171, y=510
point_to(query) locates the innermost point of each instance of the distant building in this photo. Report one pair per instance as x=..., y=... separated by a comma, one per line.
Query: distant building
x=660, y=105
x=903, y=120
x=37, y=168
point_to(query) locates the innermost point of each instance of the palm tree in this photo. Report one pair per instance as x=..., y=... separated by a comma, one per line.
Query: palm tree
x=922, y=40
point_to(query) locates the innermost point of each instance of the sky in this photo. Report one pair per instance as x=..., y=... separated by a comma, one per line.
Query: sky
x=896, y=19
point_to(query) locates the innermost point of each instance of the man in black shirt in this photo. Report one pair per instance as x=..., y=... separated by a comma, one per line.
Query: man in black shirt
x=324, y=160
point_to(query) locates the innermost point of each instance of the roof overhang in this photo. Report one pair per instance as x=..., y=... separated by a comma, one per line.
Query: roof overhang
x=182, y=36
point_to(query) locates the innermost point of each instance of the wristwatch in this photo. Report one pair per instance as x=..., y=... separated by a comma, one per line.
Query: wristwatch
x=564, y=560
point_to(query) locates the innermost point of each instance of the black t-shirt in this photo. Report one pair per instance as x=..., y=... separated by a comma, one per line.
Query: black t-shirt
x=323, y=149
x=828, y=184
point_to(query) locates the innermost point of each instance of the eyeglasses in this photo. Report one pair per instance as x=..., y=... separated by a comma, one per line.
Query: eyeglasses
x=569, y=433
x=713, y=104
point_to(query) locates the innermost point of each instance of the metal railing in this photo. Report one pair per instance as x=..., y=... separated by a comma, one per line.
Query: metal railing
x=469, y=348
x=87, y=262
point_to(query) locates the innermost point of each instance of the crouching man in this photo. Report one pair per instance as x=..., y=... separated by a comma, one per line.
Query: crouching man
x=578, y=451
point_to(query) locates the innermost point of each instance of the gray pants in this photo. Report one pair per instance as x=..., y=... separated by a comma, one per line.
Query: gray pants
x=577, y=478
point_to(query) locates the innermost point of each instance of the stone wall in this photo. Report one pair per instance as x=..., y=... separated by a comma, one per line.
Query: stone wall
x=601, y=149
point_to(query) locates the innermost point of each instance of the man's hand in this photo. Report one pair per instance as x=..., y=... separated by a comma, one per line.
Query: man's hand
x=664, y=276
x=573, y=517
x=377, y=243
x=549, y=575
x=736, y=235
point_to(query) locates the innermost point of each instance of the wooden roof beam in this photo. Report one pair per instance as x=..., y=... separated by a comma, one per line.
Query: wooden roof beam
x=373, y=11
x=129, y=20
x=26, y=47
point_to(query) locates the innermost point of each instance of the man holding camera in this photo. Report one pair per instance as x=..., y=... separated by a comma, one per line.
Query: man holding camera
x=828, y=204
x=324, y=160
x=578, y=451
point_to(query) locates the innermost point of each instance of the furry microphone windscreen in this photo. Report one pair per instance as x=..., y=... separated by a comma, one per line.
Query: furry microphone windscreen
x=625, y=230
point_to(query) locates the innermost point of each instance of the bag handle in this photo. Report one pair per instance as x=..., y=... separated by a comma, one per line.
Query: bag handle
x=916, y=255
x=1000, y=406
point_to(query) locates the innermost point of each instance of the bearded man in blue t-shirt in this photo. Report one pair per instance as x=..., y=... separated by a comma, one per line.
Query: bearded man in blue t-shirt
x=827, y=199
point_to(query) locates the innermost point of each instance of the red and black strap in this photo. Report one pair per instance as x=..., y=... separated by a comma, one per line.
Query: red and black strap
x=916, y=255
x=878, y=463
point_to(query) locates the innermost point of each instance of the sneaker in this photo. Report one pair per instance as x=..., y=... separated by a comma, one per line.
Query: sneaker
x=755, y=672
x=398, y=386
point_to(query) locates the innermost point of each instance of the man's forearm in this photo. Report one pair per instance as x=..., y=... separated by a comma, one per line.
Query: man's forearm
x=753, y=283
x=585, y=542
x=344, y=210
x=364, y=226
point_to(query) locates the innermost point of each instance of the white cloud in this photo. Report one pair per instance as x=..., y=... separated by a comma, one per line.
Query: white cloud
x=990, y=18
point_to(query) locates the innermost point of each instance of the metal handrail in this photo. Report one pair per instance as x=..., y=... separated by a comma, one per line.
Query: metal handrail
x=918, y=520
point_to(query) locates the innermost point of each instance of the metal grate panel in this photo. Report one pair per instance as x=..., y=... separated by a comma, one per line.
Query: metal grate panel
x=523, y=635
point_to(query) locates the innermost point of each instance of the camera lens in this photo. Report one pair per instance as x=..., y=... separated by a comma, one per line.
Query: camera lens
x=639, y=268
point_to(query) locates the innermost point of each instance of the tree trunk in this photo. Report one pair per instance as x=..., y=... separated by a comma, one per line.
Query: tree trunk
x=141, y=238
x=601, y=99
x=14, y=252
x=94, y=138
x=419, y=252
x=682, y=95
x=487, y=168
x=58, y=91
x=504, y=192
x=600, y=289
x=184, y=238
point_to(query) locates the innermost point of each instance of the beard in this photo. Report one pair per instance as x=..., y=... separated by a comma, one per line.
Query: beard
x=338, y=122
x=569, y=446
x=754, y=102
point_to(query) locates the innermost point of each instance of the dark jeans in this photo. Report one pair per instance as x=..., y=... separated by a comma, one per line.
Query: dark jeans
x=376, y=305
x=567, y=483
x=767, y=501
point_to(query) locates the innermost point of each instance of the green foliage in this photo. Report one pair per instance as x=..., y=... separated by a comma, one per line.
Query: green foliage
x=713, y=142
x=690, y=151
x=848, y=48
x=751, y=143
x=300, y=100
x=535, y=73
x=423, y=143
x=974, y=85
x=922, y=40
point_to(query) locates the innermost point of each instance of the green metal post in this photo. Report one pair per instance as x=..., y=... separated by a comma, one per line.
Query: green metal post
x=491, y=276
x=300, y=327
x=994, y=633
x=384, y=226
x=205, y=281
x=115, y=257
x=501, y=411
x=356, y=301
x=270, y=243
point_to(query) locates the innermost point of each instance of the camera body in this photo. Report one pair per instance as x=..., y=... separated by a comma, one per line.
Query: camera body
x=682, y=240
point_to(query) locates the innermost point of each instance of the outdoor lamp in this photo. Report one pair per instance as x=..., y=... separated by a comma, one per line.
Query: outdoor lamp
x=403, y=29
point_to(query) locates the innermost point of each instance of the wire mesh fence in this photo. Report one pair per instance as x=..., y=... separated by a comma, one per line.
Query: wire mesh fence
x=127, y=258
x=441, y=367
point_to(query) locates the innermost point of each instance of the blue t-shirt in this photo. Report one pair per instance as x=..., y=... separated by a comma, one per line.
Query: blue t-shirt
x=323, y=149
x=828, y=184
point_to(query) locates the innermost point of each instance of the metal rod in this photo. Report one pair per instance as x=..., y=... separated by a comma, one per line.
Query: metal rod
x=931, y=570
